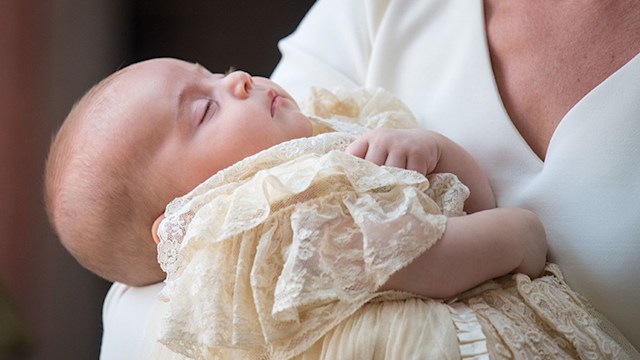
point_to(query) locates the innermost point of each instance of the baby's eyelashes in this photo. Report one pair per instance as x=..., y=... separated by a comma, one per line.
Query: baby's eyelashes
x=206, y=112
x=204, y=109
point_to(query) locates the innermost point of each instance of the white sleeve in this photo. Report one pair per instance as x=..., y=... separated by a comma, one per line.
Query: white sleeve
x=130, y=321
x=331, y=46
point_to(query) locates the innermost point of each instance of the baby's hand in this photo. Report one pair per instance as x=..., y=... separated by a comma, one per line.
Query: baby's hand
x=533, y=241
x=413, y=149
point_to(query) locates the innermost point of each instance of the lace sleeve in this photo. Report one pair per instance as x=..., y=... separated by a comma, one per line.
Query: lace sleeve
x=346, y=246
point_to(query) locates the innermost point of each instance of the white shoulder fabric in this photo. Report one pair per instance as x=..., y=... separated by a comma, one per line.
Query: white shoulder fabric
x=129, y=321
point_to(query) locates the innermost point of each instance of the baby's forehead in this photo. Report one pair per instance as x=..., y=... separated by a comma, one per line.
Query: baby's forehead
x=96, y=122
x=136, y=103
x=113, y=95
x=156, y=77
x=144, y=81
x=133, y=107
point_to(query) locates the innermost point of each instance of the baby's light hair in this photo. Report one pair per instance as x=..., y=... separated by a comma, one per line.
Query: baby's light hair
x=98, y=203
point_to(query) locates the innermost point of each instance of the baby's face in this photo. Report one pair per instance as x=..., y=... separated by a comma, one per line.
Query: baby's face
x=191, y=123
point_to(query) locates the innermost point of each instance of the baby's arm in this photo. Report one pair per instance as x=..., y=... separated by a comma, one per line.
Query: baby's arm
x=473, y=249
x=426, y=152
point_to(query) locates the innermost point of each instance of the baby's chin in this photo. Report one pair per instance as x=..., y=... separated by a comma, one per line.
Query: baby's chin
x=307, y=126
x=296, y=126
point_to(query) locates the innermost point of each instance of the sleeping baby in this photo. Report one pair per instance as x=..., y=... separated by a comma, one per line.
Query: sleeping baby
x=289, y=234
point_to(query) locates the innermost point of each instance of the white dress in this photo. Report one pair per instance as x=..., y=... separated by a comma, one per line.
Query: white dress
x=433, y=55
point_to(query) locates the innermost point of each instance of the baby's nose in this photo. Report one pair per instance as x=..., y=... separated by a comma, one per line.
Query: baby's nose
x=240, y=83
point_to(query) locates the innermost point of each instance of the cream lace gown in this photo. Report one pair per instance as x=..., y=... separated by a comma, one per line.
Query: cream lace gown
x=280, y=256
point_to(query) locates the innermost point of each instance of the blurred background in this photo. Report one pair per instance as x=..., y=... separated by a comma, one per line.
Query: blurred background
x=51, y=52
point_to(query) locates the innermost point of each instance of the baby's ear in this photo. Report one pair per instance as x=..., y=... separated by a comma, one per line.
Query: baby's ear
x=154, y=228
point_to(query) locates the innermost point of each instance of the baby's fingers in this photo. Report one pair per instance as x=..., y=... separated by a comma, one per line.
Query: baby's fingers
x=362, y=149
x=358, y=148
x=419, y=164
x=396, y=159
x=376, y=155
